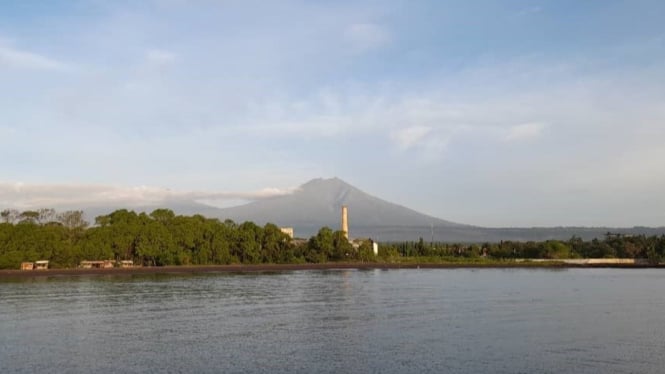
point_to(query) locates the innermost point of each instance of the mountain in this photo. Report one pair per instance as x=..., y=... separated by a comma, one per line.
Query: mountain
x=318, y=203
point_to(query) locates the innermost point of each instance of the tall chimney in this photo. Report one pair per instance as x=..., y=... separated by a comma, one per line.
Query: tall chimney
x=345, y=221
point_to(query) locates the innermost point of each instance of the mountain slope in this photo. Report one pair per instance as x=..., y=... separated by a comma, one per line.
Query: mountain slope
x=318, y=203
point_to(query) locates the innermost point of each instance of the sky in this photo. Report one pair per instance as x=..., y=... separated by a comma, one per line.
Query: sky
x=494, y=113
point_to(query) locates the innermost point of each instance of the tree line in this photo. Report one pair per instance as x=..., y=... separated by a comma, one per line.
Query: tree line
x=158, y=239
x=611, y=246
x=163, y=238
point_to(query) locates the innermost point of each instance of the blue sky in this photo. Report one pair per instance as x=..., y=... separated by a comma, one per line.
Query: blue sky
x=498, y=113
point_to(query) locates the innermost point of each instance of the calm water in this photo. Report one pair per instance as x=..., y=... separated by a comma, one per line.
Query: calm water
x=394, y=321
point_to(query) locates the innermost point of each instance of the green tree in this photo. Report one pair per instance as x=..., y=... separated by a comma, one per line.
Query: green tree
x=276, y=245
x=248, y=243
x=321, y=246
x=29, y=216
x=342, y=249
x=73, y=219
x=554, y=249
x=365, y=252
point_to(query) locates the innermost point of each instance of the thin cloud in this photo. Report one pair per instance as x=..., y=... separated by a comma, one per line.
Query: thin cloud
x=11, y=57
x=409, y=137
x=160, y=56
x=365, y=36
x=524, y=132
x=277, y=98
x=6, y=132
x=33, y=196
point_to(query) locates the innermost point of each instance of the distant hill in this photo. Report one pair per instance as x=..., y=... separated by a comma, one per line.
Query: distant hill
x=318, y=203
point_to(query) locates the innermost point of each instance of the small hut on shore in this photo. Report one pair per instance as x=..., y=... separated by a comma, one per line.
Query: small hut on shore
x=27, y=265
x=126, y=263
x=41, y=265
x=105, y=264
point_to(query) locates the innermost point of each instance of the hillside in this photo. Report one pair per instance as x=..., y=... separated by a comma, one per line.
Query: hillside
x=318, y=203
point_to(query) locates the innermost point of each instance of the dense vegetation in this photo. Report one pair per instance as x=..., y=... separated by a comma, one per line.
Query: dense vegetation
x=156, y=239
x=612, y=246
x=163, y=238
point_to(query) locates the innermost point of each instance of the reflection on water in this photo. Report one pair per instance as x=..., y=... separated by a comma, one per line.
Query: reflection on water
x=396, y=321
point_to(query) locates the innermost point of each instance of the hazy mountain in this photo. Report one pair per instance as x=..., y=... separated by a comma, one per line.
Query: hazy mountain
x=318, y=203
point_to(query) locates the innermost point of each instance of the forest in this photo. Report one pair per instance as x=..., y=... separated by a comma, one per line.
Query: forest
x=163, y=238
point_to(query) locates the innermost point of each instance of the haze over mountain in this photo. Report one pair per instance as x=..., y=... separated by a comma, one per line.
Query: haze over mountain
x=318, y=203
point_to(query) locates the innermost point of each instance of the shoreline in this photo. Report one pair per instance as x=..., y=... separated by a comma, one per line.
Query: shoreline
x=202, y=269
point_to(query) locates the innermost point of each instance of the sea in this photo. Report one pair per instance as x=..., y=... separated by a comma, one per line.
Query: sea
x=337, y=321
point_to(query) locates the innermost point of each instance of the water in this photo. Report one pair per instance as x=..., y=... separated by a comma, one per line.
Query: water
x=383, y=321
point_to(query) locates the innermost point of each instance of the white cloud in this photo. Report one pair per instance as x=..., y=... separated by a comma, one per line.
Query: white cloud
x=281, y=98
x=365, y=36
x=6, y=132
x=32, y=196
x=14, y=58
x=160, y=56
x=409, y=137
x=524, y=131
